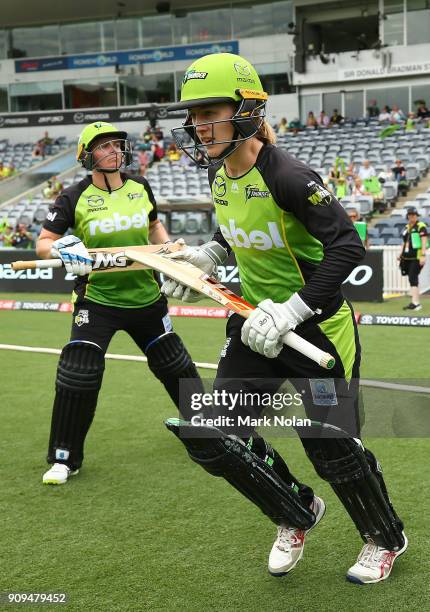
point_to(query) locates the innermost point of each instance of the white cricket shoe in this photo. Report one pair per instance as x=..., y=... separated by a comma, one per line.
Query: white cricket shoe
x=290, y=542
x=58, y=474
x=374, y=563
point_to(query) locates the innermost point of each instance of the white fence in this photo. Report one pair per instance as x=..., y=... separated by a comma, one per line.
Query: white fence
x=394, y=282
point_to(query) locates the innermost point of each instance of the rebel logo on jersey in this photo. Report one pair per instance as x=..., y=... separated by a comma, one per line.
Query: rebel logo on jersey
x=256, y=239
x=118, y=223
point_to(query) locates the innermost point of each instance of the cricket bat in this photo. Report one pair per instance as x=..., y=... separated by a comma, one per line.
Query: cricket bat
x=185, y=273
x=105, y=259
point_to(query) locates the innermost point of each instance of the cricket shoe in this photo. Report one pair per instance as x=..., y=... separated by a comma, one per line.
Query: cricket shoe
x=412, y=306
x=374, y=563
x=290, y=543
x=58, y=474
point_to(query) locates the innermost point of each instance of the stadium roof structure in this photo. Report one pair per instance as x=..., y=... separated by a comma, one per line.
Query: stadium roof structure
x=22, y=12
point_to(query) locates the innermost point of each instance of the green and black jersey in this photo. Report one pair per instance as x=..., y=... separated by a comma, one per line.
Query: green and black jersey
x=101, y=220
x=412, y=244
x=288, y=233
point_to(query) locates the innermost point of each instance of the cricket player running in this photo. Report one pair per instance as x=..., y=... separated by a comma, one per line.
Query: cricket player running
x=294, y=246
x=107, y=209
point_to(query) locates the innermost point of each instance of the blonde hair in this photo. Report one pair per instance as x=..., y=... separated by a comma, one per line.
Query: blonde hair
x=266, y=133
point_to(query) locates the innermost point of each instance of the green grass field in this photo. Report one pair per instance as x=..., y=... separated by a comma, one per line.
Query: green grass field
x=142, y=528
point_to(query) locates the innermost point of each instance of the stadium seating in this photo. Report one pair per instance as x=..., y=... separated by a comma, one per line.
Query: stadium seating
x=20, y=157
x=181, y=182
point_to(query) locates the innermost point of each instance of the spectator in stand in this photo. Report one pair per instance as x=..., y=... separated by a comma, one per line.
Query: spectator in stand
x=22, y=238
x=342, y=188
x=37, y=152
x=374, y=187
x=357, y=189
x=399, y=175
x=359, y=225
x=399, y=171
x=411, y=121
x=45, y=144
x=323, y=120
x=397, y=115
x=311, y=120
x=6, y=235
x=351, y=172
x=173, y=153
x=372, y=109
x=158, y=132
x=385, y=115
x=53, y=188
x=282, y=127
x=336, y=118
x=8, y=170
x=295, y=125
x=366, y=171
x=144, y=161
x=157, y=149
x=423, y=112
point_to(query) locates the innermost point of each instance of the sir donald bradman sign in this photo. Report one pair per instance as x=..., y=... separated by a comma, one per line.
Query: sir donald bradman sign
x=376, y=72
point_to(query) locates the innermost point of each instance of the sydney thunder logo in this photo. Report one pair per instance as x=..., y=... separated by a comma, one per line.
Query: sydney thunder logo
x=194, y=74
x=253, y=191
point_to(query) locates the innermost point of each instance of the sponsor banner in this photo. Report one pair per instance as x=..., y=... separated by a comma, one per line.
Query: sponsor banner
x=111, y=115
x=175, y=311
x=365, y=283
x=397, y=320
x=41, y=280
x=122, y=58
x=198, y=311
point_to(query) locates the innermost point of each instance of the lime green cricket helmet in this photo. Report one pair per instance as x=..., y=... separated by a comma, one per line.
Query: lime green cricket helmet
x=96, y=130
x=219, y=78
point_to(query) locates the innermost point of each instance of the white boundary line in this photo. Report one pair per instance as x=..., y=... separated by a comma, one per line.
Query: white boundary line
x=207, y=366
x=53, y=351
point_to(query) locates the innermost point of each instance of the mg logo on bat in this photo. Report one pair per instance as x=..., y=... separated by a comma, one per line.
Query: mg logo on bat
x=110, y=260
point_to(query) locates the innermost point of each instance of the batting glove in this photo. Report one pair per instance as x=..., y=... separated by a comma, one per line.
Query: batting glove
x=74, y=255
x=206, y=257
x=270, y=321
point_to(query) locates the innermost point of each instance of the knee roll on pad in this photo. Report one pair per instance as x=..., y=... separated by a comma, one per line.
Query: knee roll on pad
x=79, y=378
x=81, y=367
x=169, y=361
x=360, y=487
x=227, y=456
x=167, y=355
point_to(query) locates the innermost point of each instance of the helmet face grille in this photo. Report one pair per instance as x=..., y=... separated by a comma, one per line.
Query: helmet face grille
x=125, y=158
x=246, y=122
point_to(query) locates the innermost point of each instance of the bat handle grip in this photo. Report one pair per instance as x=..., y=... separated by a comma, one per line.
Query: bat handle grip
x=38, y=263
x=325, y=360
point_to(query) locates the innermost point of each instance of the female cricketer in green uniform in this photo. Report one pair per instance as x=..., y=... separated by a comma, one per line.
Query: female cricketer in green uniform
x=106, y=209
x=294, y=246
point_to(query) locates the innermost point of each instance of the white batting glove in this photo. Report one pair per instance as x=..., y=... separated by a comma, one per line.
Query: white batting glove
x=206, y=257
x=74, y=255
x=270, y=321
